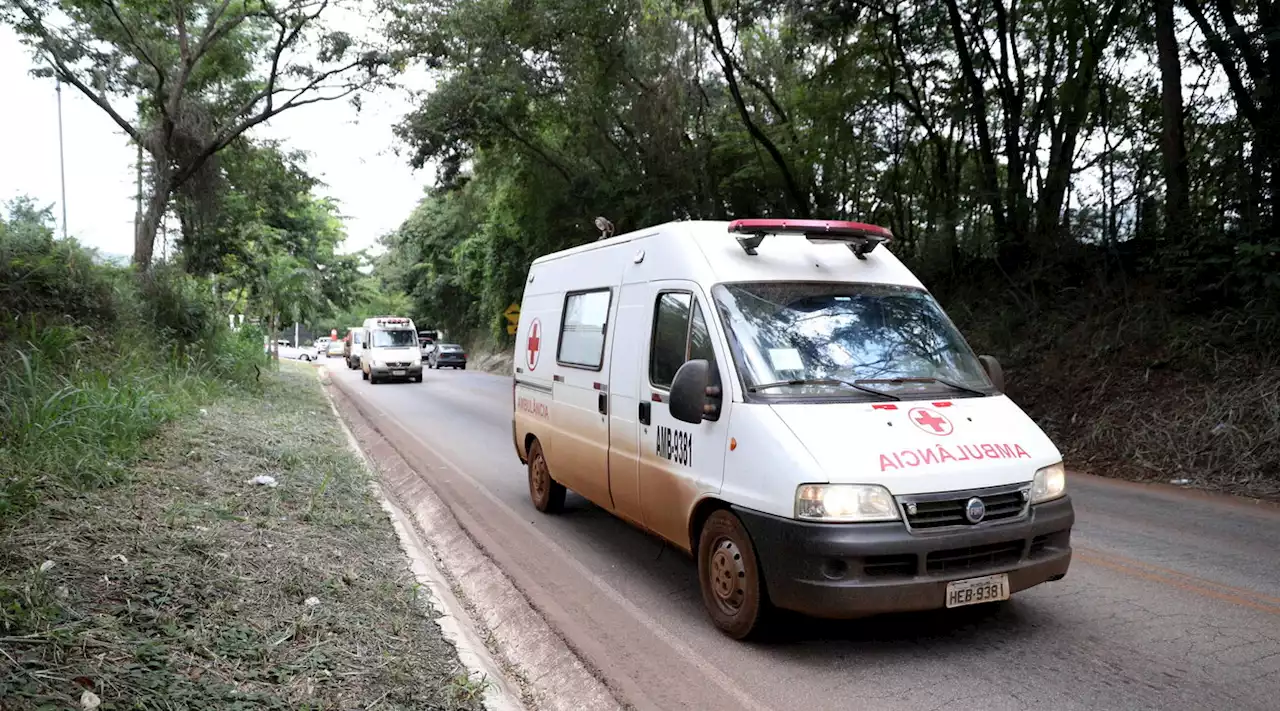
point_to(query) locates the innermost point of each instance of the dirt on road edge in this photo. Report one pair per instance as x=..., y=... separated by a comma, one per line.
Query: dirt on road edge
x=548, y=672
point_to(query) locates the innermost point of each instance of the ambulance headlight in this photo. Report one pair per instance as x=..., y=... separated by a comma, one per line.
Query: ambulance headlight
x=375, y=363
x=1049, y=484
x=845, y=502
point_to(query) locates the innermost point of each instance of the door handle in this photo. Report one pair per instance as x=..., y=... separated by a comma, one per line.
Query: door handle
x=604, y=403
x=644, y=413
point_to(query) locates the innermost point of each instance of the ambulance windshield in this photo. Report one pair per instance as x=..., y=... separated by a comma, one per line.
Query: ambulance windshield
x=807, y=333
x=401, y=338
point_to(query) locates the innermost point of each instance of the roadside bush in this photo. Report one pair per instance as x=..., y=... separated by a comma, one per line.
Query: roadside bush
x=41, y=276
x=94, y=359
x=179, y=307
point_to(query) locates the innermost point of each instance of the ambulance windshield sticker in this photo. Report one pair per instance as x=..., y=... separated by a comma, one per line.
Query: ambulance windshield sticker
x=533, y=346
x=785, y=359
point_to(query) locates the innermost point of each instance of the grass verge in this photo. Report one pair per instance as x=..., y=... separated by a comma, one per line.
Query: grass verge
x=191, y=588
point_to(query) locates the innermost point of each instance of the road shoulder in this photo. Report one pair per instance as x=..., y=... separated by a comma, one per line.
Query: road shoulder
x=547, y=672
x=193, y=585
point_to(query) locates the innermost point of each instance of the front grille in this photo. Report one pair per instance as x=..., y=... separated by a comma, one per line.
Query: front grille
x=974, y=557
x=878, y=566
x=400, y=364
x=942, y=510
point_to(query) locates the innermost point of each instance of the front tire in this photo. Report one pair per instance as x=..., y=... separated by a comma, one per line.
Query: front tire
x=547, y=494
x=729, y=574
x=364, y=375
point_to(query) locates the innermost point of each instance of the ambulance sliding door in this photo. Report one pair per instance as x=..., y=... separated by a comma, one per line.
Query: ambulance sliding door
x=580, y=458
x=626, y=373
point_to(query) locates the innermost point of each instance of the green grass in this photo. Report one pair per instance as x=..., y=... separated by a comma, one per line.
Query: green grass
x=76, y=407
x=186, y=587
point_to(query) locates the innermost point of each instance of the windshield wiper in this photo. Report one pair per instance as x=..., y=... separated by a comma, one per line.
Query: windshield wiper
x=940, y=381
x=824, y=381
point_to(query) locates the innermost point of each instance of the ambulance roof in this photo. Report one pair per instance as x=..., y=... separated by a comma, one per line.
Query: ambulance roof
x=707, y=252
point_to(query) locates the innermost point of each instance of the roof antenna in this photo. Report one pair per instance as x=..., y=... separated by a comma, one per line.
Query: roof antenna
x=605, y=227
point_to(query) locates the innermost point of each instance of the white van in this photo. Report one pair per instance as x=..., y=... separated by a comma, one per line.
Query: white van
x=352, y=346
x=389, y=350
x=788, y=404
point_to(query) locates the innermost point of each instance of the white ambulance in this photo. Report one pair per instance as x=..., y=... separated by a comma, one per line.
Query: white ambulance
x=389, y=350
x=788, y=404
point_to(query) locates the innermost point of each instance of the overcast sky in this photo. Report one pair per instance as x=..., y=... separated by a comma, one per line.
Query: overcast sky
x=354, y=154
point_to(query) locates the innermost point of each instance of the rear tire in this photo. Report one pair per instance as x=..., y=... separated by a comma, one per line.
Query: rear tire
x=729, y=574
x=546, y=493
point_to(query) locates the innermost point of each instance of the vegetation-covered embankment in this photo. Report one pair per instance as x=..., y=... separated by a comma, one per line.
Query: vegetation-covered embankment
x=140, y=565
x=94, y=359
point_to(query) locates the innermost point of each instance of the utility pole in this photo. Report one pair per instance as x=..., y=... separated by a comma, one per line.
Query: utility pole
x=62, y=162
x=137, y=214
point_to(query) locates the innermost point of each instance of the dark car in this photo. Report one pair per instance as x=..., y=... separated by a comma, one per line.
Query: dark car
x=447, y=355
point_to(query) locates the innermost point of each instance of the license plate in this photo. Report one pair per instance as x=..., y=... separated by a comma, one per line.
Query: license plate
x=397, y=372
x=974, y=591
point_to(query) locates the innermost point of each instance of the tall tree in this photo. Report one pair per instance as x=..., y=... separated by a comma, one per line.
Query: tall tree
x=202, y=71
x=1173, y=146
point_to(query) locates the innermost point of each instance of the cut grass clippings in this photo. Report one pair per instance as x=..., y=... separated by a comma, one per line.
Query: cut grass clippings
x=188, y=587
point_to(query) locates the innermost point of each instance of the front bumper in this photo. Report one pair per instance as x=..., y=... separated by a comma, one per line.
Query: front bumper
x=383, y=373
x=848, y=570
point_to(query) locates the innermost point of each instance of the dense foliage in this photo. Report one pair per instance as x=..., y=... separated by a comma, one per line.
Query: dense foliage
x=1090, y=187
x=1041, y=142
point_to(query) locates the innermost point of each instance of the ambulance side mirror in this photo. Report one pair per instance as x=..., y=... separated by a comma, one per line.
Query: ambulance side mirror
x=994, y=371
x=688, y=398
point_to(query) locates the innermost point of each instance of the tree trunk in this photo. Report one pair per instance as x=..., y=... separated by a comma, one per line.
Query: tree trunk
x=1173, y=142
x=275, y=328
x=988, y=170
x=797, y=196
x=144, y=234
x=1076, y=92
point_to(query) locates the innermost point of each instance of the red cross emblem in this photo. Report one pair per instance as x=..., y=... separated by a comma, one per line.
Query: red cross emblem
x=930, y=421
x=534, y=344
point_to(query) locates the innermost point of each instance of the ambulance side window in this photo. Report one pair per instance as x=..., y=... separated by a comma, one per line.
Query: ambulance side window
x=700, y=339
x=670, y=335
x=679, y=334
x=582, y=328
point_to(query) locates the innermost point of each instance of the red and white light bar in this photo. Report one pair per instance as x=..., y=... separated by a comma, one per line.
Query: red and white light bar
x=859, y=236
x=391, y=321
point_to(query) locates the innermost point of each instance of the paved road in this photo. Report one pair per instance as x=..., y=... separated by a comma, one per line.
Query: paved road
x=1173, y=599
